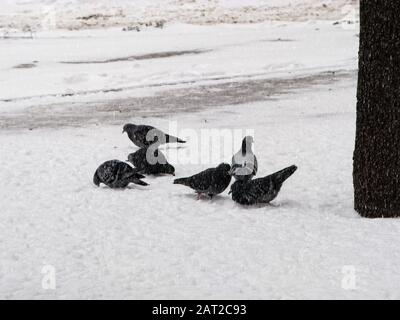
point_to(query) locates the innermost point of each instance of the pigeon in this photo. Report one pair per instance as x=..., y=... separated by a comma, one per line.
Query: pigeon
x=117, y=174
x=261, y=190
x=144, y=136
x=148, y=161
x=212, y=181
x=244, y=162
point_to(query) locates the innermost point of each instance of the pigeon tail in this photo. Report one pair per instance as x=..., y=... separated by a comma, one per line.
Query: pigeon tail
x=280, y=176
x=169, y=139
x=137, y=173
x=135, y=178
x=139, y=182
x=183, y=181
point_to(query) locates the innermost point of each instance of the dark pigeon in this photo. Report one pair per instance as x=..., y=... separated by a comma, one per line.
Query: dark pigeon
x=244, y=162
x=212, y=181
x=144, y=136
x=261, y=190
x=117, y=174
x=150, y=161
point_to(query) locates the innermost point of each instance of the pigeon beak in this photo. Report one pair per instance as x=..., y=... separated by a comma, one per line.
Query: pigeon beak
x=230, y=192
x=231, y=172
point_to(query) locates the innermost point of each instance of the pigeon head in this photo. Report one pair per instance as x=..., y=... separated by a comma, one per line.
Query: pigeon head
x=247, y=143
x=96, y=179
x=224, y=168
x=236, y=186
x=128, y=127
x=169, y=169
x=131, y=158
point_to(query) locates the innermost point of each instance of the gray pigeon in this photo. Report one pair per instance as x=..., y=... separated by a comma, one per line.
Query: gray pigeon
x=117, y=174
x=156, y=164
x=244, y=162
x=144, y=136
x=261, y=190
x=212, y=181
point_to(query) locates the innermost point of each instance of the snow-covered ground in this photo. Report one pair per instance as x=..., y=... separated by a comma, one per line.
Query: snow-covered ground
x=292, y=84
x=77, y=14
x=159, y=242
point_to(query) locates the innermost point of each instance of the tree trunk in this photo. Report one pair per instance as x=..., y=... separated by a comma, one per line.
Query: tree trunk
x=376, y=170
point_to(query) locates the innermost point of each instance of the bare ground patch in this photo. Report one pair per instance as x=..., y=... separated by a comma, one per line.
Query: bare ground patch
x=25, y=66
x=147, y=56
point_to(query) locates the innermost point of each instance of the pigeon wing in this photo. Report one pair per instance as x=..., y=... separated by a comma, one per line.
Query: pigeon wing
x=138, y=159
x=203, y=180
x=258, y=190
x=107, y=172
x=255, y=165
x=140, y=134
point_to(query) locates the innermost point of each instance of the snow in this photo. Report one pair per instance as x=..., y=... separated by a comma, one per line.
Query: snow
x=73, y=15
x=290, y=84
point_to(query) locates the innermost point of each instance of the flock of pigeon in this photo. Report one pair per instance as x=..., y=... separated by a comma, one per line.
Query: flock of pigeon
x=149, y=160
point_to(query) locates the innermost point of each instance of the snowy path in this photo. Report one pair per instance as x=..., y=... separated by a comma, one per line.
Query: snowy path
x=191, y=99
x=33, y=72
x=111, y=75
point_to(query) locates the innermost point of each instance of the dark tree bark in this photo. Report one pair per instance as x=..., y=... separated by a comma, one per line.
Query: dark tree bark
x=376, y=171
